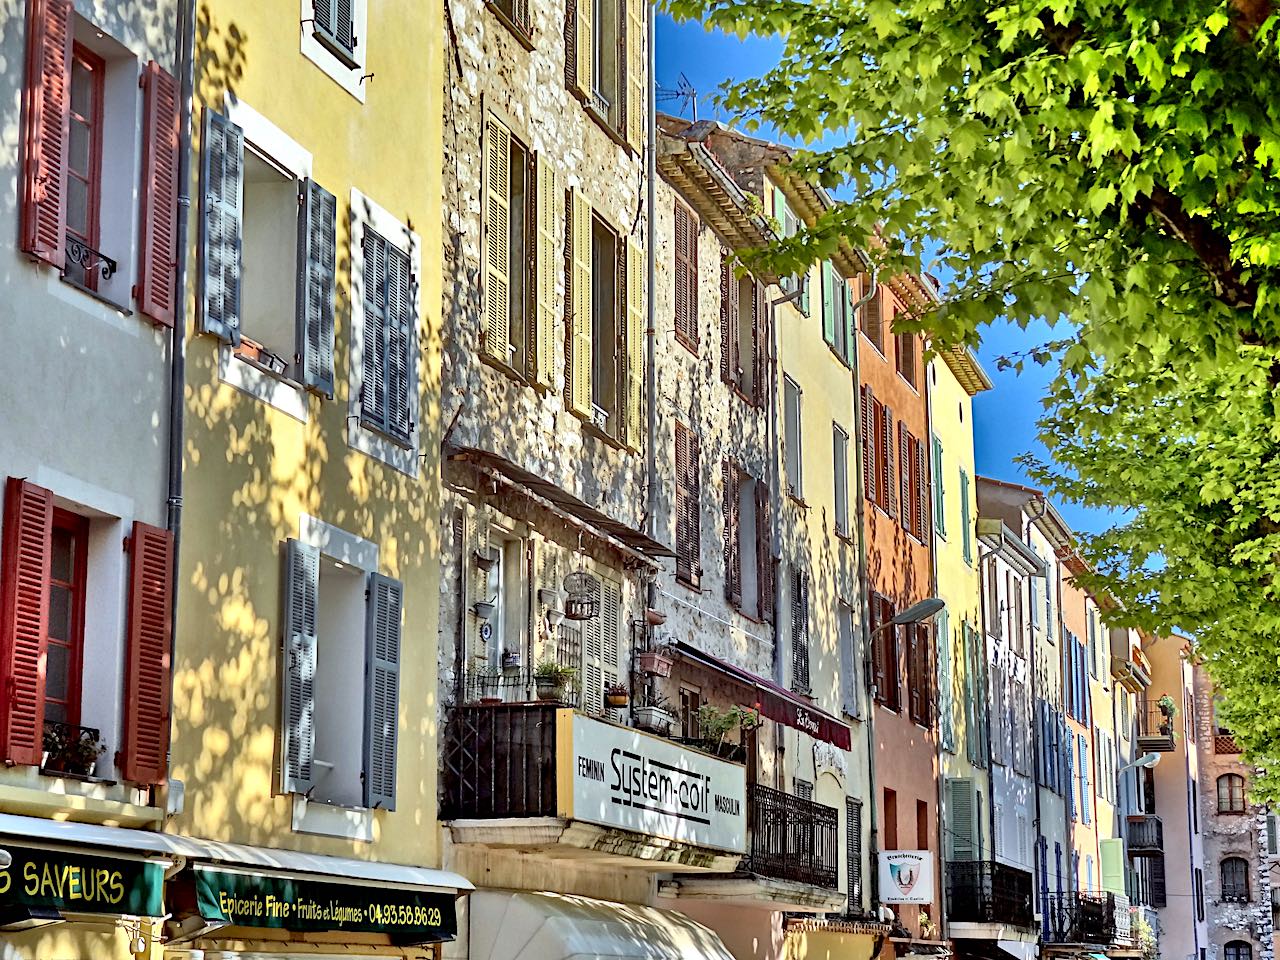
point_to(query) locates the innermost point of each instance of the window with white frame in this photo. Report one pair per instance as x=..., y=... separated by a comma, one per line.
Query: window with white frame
x=334, y=38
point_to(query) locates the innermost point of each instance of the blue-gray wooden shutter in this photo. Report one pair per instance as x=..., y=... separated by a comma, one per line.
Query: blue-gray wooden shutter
x=298, y=667
x=335, y=25
x=373, y=391
x=401, y=368
x=317, y=256
x=382, y=690
x=222, y=218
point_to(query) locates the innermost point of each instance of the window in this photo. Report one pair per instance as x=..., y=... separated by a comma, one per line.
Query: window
x=890, y=819
x=853, y=852
x=872, y=320
x=1235, y=880
x=686, y=277
x=789, y=224
x=389, y=361
x=690, y=701
x=878, y=453
x=50, y=565
x=915, y=484
x=508, y=335
x=840, y=457
x=333, y=23
x=919, y=674
x=342, y=646
x=999, y=715
x=86, y=84
x=1237, y=950
x=601, y=648
x=1231, y=793
x=976, y=719
x=908, y=349
x=515, y=14
x=837, y=312
x=966, y=524
x=851, y=682
x=1086, y=792
x=748, y=569
x=68, y=557
x=792, y=438
x=605, y=63
x=922, y=825
x=804, y=789
x=884, y=653
x=939, y=495
x=962, y=820
x=605, y=290
x=799, y=631
x=946, y=681
x=688, y=508
x=1199, y=894
x=743, y=336
x=263, y=220
x=1273, y=839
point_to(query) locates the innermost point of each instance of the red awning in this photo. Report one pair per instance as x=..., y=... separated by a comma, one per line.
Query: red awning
x=775, y=702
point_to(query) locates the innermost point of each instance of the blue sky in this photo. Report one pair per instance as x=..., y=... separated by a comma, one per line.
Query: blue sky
x=1004, y=418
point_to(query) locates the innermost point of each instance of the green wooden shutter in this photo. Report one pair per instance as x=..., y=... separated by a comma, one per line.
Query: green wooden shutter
x=317, y=256
x=828, y=303
x=1111, y=855
x=946, y=680
x=939, y=494
x=966, y=534
x=382, y=689
x=960, y=819
x=298, y=671
x=221, y=223
x=850, y=323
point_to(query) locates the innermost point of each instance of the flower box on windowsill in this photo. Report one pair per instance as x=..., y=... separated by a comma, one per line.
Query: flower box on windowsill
x=654, y=662
x=657, y=720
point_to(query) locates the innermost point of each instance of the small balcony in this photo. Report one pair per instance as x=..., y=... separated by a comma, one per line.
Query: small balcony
x=1224, y=742
x=548, y=780
x=792, y=838
x=1146, y=836
x=1086, y=918
x=982, y=891
x=1155, y=729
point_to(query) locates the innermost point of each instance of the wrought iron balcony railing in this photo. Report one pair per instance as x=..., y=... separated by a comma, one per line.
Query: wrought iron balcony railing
x=1146, y=835
x=982, y=891
x=1155, y=728
x=500, y=761
x=792, y=838
x=1083, y=918
x=85, y=260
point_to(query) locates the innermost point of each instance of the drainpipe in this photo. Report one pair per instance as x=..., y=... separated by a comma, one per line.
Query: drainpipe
x=864, y=597
x=941, y=873
x=1038, y=747
x=983, y=560
x=775, y=485
x=651, y=325
x=177, y=358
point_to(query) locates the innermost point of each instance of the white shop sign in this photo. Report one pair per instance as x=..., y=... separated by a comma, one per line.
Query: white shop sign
x=627, y=779
x=906, y=876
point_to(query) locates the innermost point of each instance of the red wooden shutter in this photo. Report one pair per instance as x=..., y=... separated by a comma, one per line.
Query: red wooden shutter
x=145, y=747
x=46, y=106
x=922, y=492
x=871, y=320
x=158, y=227
x=688, y=507
x=732, y=559
x=760, y=344
x=889, y=493
x=24, y=606
x=730, y=314
x=764, y=552
x=868, y=444
x=686, y=250
x=905, y=490
x=877, y=648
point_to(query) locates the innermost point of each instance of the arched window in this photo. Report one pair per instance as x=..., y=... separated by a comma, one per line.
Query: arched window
x=1238, y=950
x=1231, y=793
x=1235, y=880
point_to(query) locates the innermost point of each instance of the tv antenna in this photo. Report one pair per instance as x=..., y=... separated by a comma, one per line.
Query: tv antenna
x=684, y=95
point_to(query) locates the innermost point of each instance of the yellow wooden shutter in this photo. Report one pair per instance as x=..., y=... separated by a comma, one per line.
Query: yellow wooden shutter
x=586, y=48
x=495, y=339
x=635, y=321
x=547, y=263
x=579, y=386
x=637, y=114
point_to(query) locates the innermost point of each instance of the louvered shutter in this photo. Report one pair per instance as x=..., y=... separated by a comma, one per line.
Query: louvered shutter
x=877, y=647
x=966, y=531
x=158, y=219
x=868, y=430
x=853, y=853
x=317, y=265
x=1086, y=790
x=634, y=75
x=222, y=157
x=686, y=275
x=850, y=324
x=828, y=303
x=889, y=496
x=961, y=819
x=688, y=506
x=583, y=12
x=804, y=292
x=298, y=667
x=1273, y=846
x=384, y=613
x=635, y=326
x=373, y=387
x=873, y=319
x=46, y=130
x=611, y=632
x=800, y=631
x=545, y=264
x=144, y=750
x=764, y=553
x=730, y=313
x=922, y=491
x=579, y=386
x=335, y=25
x=593, y=656
x=731, y=482
x=905, y=493
x=760, y=344
x=24, y=606
x=915, y=679
x=571, y=45
x=402, y=366
x=495, y=338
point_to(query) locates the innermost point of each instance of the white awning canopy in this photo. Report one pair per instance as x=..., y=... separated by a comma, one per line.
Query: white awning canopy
x=553, y=926
x=1018, y=949
x=18, y=829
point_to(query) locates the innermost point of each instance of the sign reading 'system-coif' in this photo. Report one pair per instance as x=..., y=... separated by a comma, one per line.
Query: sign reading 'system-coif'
x=292, y=903
x=627, y=779
x=82, y=883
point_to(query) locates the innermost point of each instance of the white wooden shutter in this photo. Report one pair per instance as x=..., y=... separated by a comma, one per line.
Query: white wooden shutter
x=546, y=267
x=579, y=389
x=593, y=664
x=495, y=338
x=585, y=48
x=611, y=624
x=298, y=667
x=317, y=256
x=382, y=689
x=960, y=819
x=637, y=112
x=221, y=223
x=635, y=326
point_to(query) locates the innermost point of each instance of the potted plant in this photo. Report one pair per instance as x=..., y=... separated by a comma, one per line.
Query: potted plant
x=656, y=662
x=71, y=749
x=1167, y=706
x=552, y=679
x=616, y=696
x=715, y=725
x=655, y=717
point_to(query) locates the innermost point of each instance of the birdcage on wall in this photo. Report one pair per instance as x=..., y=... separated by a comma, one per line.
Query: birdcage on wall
x=583, y=600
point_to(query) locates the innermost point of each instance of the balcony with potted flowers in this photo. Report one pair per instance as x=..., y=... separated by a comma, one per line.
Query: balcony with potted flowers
x=1156, y=725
